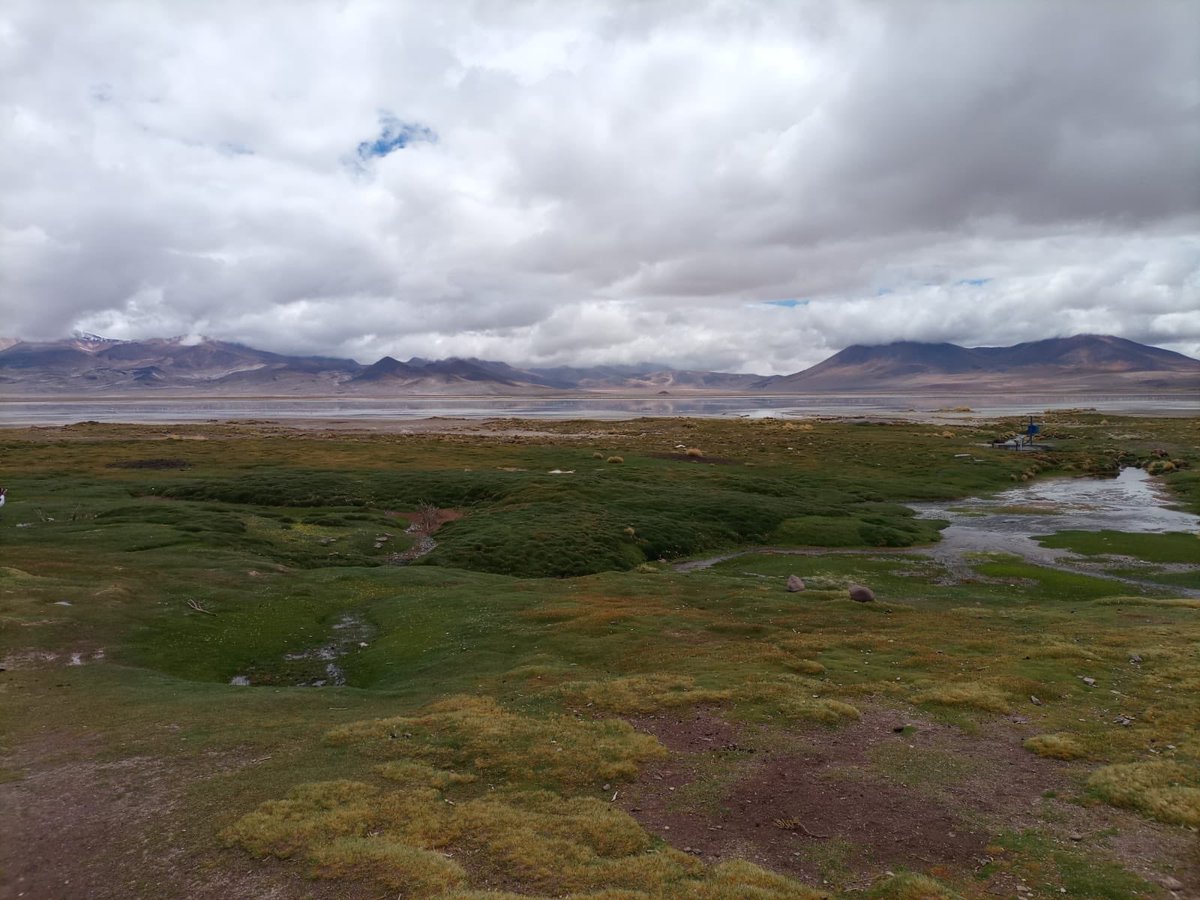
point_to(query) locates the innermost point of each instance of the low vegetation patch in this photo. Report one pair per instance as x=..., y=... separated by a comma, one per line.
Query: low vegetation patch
x=973, y=694
x=1167, y=791
x=1055, y=746
x=1173, y=547
x=641, y=693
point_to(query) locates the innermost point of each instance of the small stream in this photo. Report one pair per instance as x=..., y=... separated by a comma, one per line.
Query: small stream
x=1008, y=522
x=317, y=666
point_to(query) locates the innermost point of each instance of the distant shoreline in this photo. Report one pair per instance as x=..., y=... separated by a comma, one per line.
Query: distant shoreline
x=375, y=412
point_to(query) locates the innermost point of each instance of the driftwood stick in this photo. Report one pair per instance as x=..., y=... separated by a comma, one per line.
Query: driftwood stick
x=200, y=609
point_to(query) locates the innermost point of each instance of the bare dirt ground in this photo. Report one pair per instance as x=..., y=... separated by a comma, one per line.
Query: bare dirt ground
x=892, y=791
x=75, y=827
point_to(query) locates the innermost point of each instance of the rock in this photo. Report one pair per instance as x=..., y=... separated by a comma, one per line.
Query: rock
x=1135, y=660
x=1171, y=884
x=795, y=583
x=1034, y=700
x=1123, y=720
x=861, y=593
x=1090, y=682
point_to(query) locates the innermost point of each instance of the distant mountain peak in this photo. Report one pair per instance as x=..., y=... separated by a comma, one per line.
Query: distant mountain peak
x=1048, y=364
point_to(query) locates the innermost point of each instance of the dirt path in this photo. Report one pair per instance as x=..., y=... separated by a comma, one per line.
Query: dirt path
x=894, y=790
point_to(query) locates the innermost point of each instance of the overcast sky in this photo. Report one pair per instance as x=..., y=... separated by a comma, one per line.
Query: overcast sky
x=743, y=186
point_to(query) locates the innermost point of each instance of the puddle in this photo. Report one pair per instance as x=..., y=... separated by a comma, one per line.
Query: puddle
x=318, y=666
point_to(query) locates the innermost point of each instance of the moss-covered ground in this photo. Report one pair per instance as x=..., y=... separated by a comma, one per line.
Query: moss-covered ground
x=481, y=708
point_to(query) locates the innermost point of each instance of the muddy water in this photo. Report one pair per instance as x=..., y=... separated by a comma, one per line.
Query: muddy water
x=1008, y=521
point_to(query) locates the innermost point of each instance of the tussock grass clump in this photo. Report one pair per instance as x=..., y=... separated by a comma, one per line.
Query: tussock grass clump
x=791, y=698
x=805, y=666
x=911, y=886
x=411, y=870
x=738, y=879
x=973, y=694
x=615, y=459
x=1055, y=746
x=312, y=813
x=545, y=841
x=415, y=773
x=478, y=736
x=643, y=693
x=823, y=709
x=694, y=452
x=1166, y=791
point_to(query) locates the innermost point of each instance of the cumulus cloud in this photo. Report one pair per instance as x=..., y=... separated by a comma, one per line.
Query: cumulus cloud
x=738, y=185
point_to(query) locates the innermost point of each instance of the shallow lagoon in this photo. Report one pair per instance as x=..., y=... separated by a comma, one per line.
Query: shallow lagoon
x=368, y=410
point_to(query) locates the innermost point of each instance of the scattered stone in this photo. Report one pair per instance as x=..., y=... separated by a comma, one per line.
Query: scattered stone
x=1076, y=836
x=1135, y=660
x=1034, y=700
x=62, y=602
x=795, y=583
x=861, y=593
x=1171, y=884
x=1090, y=682
x=1123, y=720
x=240, y=680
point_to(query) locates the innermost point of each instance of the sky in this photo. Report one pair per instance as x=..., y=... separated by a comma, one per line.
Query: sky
x=734, y=185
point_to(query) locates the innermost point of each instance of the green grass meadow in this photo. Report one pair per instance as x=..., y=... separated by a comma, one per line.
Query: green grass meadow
x=485, y=711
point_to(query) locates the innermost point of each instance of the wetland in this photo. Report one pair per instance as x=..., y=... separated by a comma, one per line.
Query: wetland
x=237, y=662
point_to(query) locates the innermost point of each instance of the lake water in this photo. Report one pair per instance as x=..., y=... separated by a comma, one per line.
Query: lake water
x=181, y=410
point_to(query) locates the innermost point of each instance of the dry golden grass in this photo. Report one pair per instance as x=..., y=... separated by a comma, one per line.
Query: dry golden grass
x=406, y=840
x=615, y=459
x=642, y=693
x=1164, y=790
x=973, y=694
x=911, y=886
x=420, y=774
x=411, y=871
x=477, y=736
x=1055, y=746
x=695, y=452
x=406, y=835
x=792, y=697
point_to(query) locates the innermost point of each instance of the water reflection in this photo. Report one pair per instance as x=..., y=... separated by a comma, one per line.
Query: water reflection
x=1008, y=521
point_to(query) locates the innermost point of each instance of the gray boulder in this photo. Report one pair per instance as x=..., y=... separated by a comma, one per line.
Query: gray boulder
x=861, y=593
x=795, y=583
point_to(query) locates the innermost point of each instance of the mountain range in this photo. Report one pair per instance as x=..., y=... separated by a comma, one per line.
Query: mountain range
x=91, y=365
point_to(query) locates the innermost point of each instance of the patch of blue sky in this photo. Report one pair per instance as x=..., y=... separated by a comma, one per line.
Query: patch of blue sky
x=973, y=282
x=232, y=148
x=791, y=303
x=395, y=134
